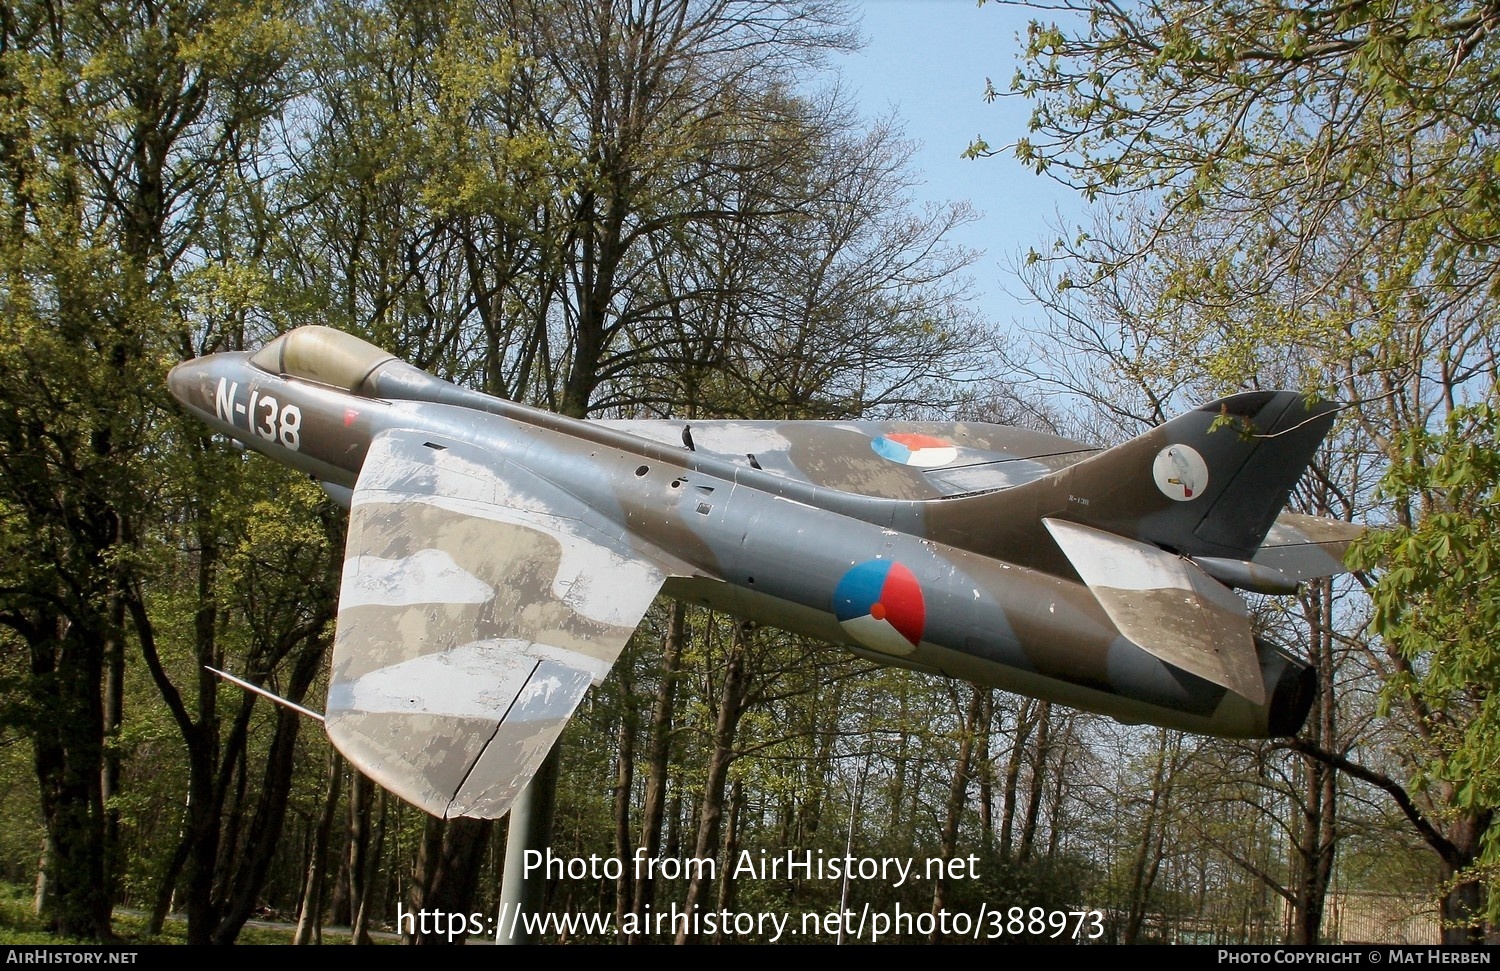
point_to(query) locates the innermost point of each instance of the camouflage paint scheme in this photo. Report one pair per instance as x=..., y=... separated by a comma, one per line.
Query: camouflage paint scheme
x=499, y=557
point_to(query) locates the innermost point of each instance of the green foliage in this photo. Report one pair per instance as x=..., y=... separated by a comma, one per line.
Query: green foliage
x=538, y=199
x=1437, y=602
x=21, y=828
x=1306, y=195
x=1311, y=179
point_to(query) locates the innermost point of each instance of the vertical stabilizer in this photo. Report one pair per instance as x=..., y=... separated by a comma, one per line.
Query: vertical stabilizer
x=1207, y=483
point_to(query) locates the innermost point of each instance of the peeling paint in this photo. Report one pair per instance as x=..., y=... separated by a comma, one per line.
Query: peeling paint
x=427, y=576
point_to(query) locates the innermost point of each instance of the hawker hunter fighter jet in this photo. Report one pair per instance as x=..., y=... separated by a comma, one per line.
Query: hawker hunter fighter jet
x=499, y=556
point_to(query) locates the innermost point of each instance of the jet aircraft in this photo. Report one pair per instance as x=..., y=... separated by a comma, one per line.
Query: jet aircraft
x=499, y=556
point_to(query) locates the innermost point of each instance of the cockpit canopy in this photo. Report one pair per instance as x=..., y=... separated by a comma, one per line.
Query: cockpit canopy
x=322, y=354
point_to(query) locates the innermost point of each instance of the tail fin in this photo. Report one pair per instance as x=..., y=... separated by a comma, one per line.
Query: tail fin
x=1207, y=486
x=1207, y=483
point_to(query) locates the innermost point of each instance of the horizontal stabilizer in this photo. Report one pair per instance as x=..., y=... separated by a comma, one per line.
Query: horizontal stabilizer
x=1304, y=547
x=1167, y=606
x=478, y=604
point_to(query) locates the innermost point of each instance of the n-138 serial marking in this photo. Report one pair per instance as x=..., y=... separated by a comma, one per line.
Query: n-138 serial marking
x=264, y=416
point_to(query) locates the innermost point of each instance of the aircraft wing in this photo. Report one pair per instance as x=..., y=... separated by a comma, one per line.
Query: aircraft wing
x=479, y=602
x=887, y=459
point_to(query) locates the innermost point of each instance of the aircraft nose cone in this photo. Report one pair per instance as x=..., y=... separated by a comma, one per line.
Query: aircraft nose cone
x=188, y=383
x=178, y=382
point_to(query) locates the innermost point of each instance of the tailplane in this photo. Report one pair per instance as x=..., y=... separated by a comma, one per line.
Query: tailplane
x=1160, y=527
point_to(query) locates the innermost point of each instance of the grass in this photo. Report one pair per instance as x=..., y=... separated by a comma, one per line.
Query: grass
x=19, y=925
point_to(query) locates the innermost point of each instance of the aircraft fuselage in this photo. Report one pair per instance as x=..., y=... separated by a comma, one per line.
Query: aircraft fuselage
x=856, y=570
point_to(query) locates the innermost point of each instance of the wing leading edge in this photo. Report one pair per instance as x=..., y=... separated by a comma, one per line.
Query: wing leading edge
x=479, y=602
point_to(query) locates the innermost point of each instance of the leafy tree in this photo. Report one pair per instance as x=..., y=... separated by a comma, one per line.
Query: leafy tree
x=1437, y=605
x=618, y=207
x=122, y=124
x=135, y=166
x=1298, y=194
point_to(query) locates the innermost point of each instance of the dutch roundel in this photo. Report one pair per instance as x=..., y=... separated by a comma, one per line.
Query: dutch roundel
x=909, y=448
x=879, y=604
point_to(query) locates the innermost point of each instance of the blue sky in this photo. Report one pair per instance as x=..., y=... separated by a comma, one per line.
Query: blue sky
x=927, y=61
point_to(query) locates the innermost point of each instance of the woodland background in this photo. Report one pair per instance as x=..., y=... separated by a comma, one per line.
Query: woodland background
x=657, y=208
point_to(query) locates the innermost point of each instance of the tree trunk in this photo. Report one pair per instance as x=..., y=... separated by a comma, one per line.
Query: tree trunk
x=1317, y=831
x=659, y=764
x=360, y=928
x=1147, y=862
x=248, y=871
x=114, y=717
x=957, y=796
x=1038, y=788
x=310, y=919
x=361, y=793
x=447, y=871
x=733, y=694
x=728, y=886
x=986, y=772
x=1463, y=914
x=624, y=783
x=1025, y=722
